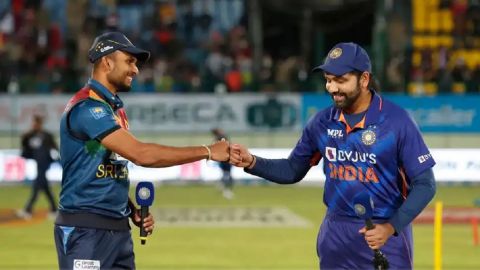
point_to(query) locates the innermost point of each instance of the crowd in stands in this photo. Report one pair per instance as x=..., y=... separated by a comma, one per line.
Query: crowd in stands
x=442, y=53
x=196, y=45
x=203, y=46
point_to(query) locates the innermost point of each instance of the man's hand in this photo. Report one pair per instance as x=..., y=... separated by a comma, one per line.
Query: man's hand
x=148, y=222
x=378, y=236
x=240, y=156
x=220, y=150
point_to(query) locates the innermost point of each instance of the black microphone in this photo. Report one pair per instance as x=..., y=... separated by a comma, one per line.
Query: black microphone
x=363, y=205
x=144, y=194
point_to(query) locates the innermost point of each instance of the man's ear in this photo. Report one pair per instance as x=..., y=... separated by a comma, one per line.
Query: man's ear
x=365, y=79
x=107, y=63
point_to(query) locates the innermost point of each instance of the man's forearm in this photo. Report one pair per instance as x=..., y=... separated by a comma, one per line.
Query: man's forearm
x=423, y=190
x=281, y=171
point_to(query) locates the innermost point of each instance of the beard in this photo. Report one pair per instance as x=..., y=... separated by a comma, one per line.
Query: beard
x=119, y=83
x=348, y=99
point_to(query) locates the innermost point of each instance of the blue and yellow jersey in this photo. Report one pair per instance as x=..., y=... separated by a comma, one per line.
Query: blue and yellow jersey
x=94, y=179
x=378, y=155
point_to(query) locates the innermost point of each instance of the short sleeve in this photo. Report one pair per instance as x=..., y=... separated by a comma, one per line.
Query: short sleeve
x=414, y=155
x=94, y=119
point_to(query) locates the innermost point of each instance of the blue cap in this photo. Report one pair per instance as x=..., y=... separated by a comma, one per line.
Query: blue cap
x=109, y=42
x=345, y=57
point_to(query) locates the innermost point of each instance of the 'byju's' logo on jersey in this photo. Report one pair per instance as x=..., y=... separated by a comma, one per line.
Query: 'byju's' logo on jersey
x=335, y=133
x=333, y=155
x=98, y=112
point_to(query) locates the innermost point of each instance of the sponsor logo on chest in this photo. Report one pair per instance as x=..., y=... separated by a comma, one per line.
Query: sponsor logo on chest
x=335, y=133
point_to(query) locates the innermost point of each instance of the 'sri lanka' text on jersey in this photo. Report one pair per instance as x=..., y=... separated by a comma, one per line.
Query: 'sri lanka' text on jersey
x=94, y=179
x=379, y=155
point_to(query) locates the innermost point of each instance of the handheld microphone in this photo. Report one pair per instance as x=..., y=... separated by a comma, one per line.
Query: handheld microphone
x=363, y=205
x=144, y=194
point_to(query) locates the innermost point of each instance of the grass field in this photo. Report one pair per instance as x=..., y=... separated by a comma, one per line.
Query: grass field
x=30, y=245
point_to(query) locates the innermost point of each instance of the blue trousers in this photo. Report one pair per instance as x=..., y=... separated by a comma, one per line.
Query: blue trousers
x=87, y=248
x=340, y=246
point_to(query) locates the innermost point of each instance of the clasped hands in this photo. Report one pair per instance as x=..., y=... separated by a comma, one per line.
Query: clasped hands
x=236, y=154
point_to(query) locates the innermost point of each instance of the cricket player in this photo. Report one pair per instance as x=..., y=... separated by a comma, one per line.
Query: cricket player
x=92, y=228
x=368, y=144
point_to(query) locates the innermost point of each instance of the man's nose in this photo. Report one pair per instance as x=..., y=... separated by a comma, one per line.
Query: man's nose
x=135, y=70
x=332, y=88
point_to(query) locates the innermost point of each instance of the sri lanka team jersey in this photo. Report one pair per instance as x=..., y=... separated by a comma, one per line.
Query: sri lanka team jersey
x=379, y=155
x=94, y=180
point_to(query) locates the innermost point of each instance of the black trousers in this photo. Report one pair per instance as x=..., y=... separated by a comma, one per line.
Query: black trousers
x=41, y=184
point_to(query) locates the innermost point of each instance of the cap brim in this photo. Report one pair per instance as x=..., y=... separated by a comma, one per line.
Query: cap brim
x=336, y=70
x=140, y=54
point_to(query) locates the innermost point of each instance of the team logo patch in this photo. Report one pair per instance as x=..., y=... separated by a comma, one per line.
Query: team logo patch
x=98, y=112
x=368, y=137
x=86, y=264
x=335, y=53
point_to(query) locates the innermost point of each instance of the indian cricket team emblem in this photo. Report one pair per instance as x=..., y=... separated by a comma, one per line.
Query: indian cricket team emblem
x=335, y=53
x=368, y=137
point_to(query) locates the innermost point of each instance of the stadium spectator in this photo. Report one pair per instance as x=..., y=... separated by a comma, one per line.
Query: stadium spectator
x=226, y=180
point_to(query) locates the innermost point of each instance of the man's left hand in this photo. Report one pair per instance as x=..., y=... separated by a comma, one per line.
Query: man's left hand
x=378, y=236
x=148, y=222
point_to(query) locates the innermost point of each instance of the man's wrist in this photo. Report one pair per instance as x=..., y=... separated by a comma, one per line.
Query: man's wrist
x=252, y=163
x=209, y=152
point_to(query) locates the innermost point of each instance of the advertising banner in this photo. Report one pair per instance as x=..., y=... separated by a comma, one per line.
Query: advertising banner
x=166, y=112
x=452, y=113
x=453, y=165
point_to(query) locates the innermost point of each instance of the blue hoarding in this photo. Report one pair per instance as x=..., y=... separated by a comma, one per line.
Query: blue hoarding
x=445, y=113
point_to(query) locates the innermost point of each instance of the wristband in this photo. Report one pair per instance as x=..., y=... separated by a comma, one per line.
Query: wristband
x=209, y=152
x=253, y=160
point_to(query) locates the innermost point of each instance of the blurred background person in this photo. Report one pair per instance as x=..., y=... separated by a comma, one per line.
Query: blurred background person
x=226, y=181
x=37, y=144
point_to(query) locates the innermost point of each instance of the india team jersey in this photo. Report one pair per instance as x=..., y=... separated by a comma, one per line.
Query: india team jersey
x=379, y=156
x=94, y=179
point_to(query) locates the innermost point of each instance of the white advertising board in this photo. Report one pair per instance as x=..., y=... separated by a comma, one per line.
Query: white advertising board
x=167, y=112
x=453, y=165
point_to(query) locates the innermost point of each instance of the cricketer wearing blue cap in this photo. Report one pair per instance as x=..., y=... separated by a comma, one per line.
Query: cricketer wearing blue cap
x=92, y=228
x=368, y=145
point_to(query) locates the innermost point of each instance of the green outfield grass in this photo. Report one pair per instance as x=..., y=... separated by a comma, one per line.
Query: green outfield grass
x=31, y=246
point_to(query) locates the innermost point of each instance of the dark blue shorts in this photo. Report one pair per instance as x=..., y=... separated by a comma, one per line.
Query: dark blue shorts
x=86, y=248
x=340, y=246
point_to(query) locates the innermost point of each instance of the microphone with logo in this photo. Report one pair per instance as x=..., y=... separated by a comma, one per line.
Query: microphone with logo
x=144, y=194
x=363, y=205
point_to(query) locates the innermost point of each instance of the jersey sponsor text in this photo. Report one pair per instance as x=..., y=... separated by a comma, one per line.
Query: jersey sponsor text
x=352, y=173
x=333, y=155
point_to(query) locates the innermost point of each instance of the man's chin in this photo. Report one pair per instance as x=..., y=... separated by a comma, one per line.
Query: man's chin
x=124, y=88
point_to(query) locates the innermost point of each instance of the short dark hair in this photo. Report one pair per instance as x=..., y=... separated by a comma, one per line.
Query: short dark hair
x=38, y=118
x=372, y=83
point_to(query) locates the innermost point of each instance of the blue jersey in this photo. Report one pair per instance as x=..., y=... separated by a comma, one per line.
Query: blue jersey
x=379, y=155
x=94, y=180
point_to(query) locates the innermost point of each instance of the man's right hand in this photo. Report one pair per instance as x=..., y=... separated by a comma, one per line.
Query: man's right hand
x=220, y=150
x=240, y=156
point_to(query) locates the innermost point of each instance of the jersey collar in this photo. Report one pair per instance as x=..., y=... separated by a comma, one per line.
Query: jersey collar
x=371, y=117
x=105, y=94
